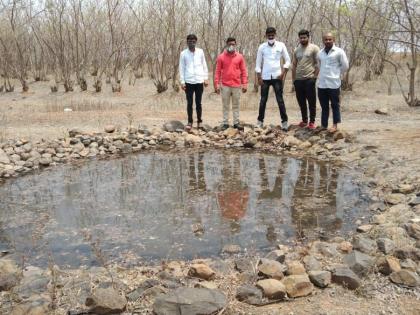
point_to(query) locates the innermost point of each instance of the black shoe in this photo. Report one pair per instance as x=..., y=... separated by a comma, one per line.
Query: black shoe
x=225, y=126
x=238, y=126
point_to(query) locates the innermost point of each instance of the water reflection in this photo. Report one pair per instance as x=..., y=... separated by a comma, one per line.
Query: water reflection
x=145, y=205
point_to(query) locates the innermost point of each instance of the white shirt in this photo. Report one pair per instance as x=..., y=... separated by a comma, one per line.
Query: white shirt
x=193, y=67
x=332, y=66
x=268, y=59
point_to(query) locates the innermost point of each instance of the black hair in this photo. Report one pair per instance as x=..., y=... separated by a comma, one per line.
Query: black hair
x=303, y=32
x=192, y=37
x=230, y=39
x=270, y=30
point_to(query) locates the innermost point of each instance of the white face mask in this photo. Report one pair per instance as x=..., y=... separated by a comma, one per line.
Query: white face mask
x=231, y=48
x=271, y=41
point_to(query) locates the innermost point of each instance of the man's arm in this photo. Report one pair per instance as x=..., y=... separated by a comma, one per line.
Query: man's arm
x=258, y=64
x=294, y=65
x=316, y=61
x=344, y=62
x=286, y=64
x=205, y=69
x=181, y=71
x=217, y=75
x=244, y=75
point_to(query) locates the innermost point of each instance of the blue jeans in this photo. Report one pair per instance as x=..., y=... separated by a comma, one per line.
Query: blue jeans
x=327, y=96
x=278, y=90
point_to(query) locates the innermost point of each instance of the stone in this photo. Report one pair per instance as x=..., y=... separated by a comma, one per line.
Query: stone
x=291, y=141
x=381, y=111
x=359, y=262
x=271, y=269
x=230, y=132
x=388, y=264
x=249, y=294
x=414, y=201
x=4, y=158
x=405, y=252
x=7, y=282
x=138, y=292
x=193, y=139
x=173, y=125
x=408, y=264
x=74, y=132
x=295, y=268
x=201, y=271
x=38, y=307
x=244, y=265
x=250, y=142
x=364, y=228
x=45, y=161
x=277, y=255
x=190, y=301
x=206, y=285
x=394, y=199
x=298, y=285
x=345, y=247
x=385, y=245
x=405, y=277
x=320, y=278
x=311, y=263
x=231, y=249
x=404, y=189
x=326, y=249
x=364, y=244
x=346, y=277
x=106, y=301
x=8, y=267
x=272, y=288
x=109, y=128
x=413, y=229
x=29, y=286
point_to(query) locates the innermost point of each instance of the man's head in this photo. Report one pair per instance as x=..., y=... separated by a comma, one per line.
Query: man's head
x=328, y=39
x=303, y=37
x=270, y=33
x=191, y=41
x=231, y=45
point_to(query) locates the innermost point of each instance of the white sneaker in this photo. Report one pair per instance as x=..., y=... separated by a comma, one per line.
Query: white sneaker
x=284, y=125
x=260, y=124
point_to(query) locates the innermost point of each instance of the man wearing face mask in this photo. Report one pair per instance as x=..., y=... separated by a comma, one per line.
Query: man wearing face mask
x=231, y=74
x=271, y=73
x=193, y=73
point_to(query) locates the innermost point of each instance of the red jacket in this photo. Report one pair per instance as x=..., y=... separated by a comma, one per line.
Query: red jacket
x=231, y=70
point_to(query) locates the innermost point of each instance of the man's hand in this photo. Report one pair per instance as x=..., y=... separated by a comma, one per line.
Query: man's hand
x=217, y=90
x=183, y=87
x=282, y=76
x=260, y=81
x=244, y=89
x=206, y=83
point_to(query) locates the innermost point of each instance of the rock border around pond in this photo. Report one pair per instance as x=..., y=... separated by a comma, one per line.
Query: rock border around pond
x=385, y=243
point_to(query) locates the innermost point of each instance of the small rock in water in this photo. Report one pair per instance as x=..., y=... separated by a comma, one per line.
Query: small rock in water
x=198, y=228
x=106, y=301
x=202, y=271
x=231, y=249
x=249, y=294
x=272, y=288
x=381, y=111
x=190, y=301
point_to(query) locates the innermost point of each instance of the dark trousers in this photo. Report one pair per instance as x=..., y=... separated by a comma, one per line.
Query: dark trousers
x=306, y=97
x=189, y=92
x=278, y=89
x=327, y=96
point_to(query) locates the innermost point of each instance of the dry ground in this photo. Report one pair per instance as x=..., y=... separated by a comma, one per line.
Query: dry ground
x=40, y=114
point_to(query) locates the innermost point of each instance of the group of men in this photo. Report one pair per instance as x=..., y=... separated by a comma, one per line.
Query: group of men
x=308, y=64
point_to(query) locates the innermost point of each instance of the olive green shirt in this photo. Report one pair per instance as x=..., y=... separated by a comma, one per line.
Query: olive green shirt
x=307, y=61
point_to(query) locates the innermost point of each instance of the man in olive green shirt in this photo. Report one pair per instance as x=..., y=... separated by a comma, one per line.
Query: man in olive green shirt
x=304, y=73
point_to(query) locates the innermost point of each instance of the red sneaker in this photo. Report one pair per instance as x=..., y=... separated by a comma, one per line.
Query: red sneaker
x=302, y=124
x=312, y=125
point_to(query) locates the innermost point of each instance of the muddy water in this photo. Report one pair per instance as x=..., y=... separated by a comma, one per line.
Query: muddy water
x=153, y=206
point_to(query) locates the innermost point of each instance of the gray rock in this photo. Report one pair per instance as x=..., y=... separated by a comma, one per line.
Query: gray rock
x=138, y=292
x=415, y=201
x=7, y=282
x=277, y=255
x=231, y=249
x=109, y=128
x=249, y=294
x=360, y=263
x=34, y=284
x=406, y=252
x=190, y=301
x=364, y=244
x=346, y=277
x=320, y=278
x=106, y=301
x=173, y=125
x=244, y=265
x=385, y=245
x=311, y=263
x=74, y=132
x=413, y=229
x=4, y=158
x=408, y=264
x=405, y=277
x=271, y=269
x=394, y=199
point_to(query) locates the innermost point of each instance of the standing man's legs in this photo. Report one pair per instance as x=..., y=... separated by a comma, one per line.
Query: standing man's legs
x=324, y=100
x=189, y=92
x=263, y=101
x=335, y=106
x=199, y=88
x=236, y=96
x=310, y=90
x=278, y=89
x=300, y=90
x=226, y=95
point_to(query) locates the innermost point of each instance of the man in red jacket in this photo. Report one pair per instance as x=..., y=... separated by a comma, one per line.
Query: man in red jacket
x=230, y=78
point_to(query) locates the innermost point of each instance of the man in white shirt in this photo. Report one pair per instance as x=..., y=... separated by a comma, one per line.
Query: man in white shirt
x=333, y=64
x=193, y=73
x=271, y=73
